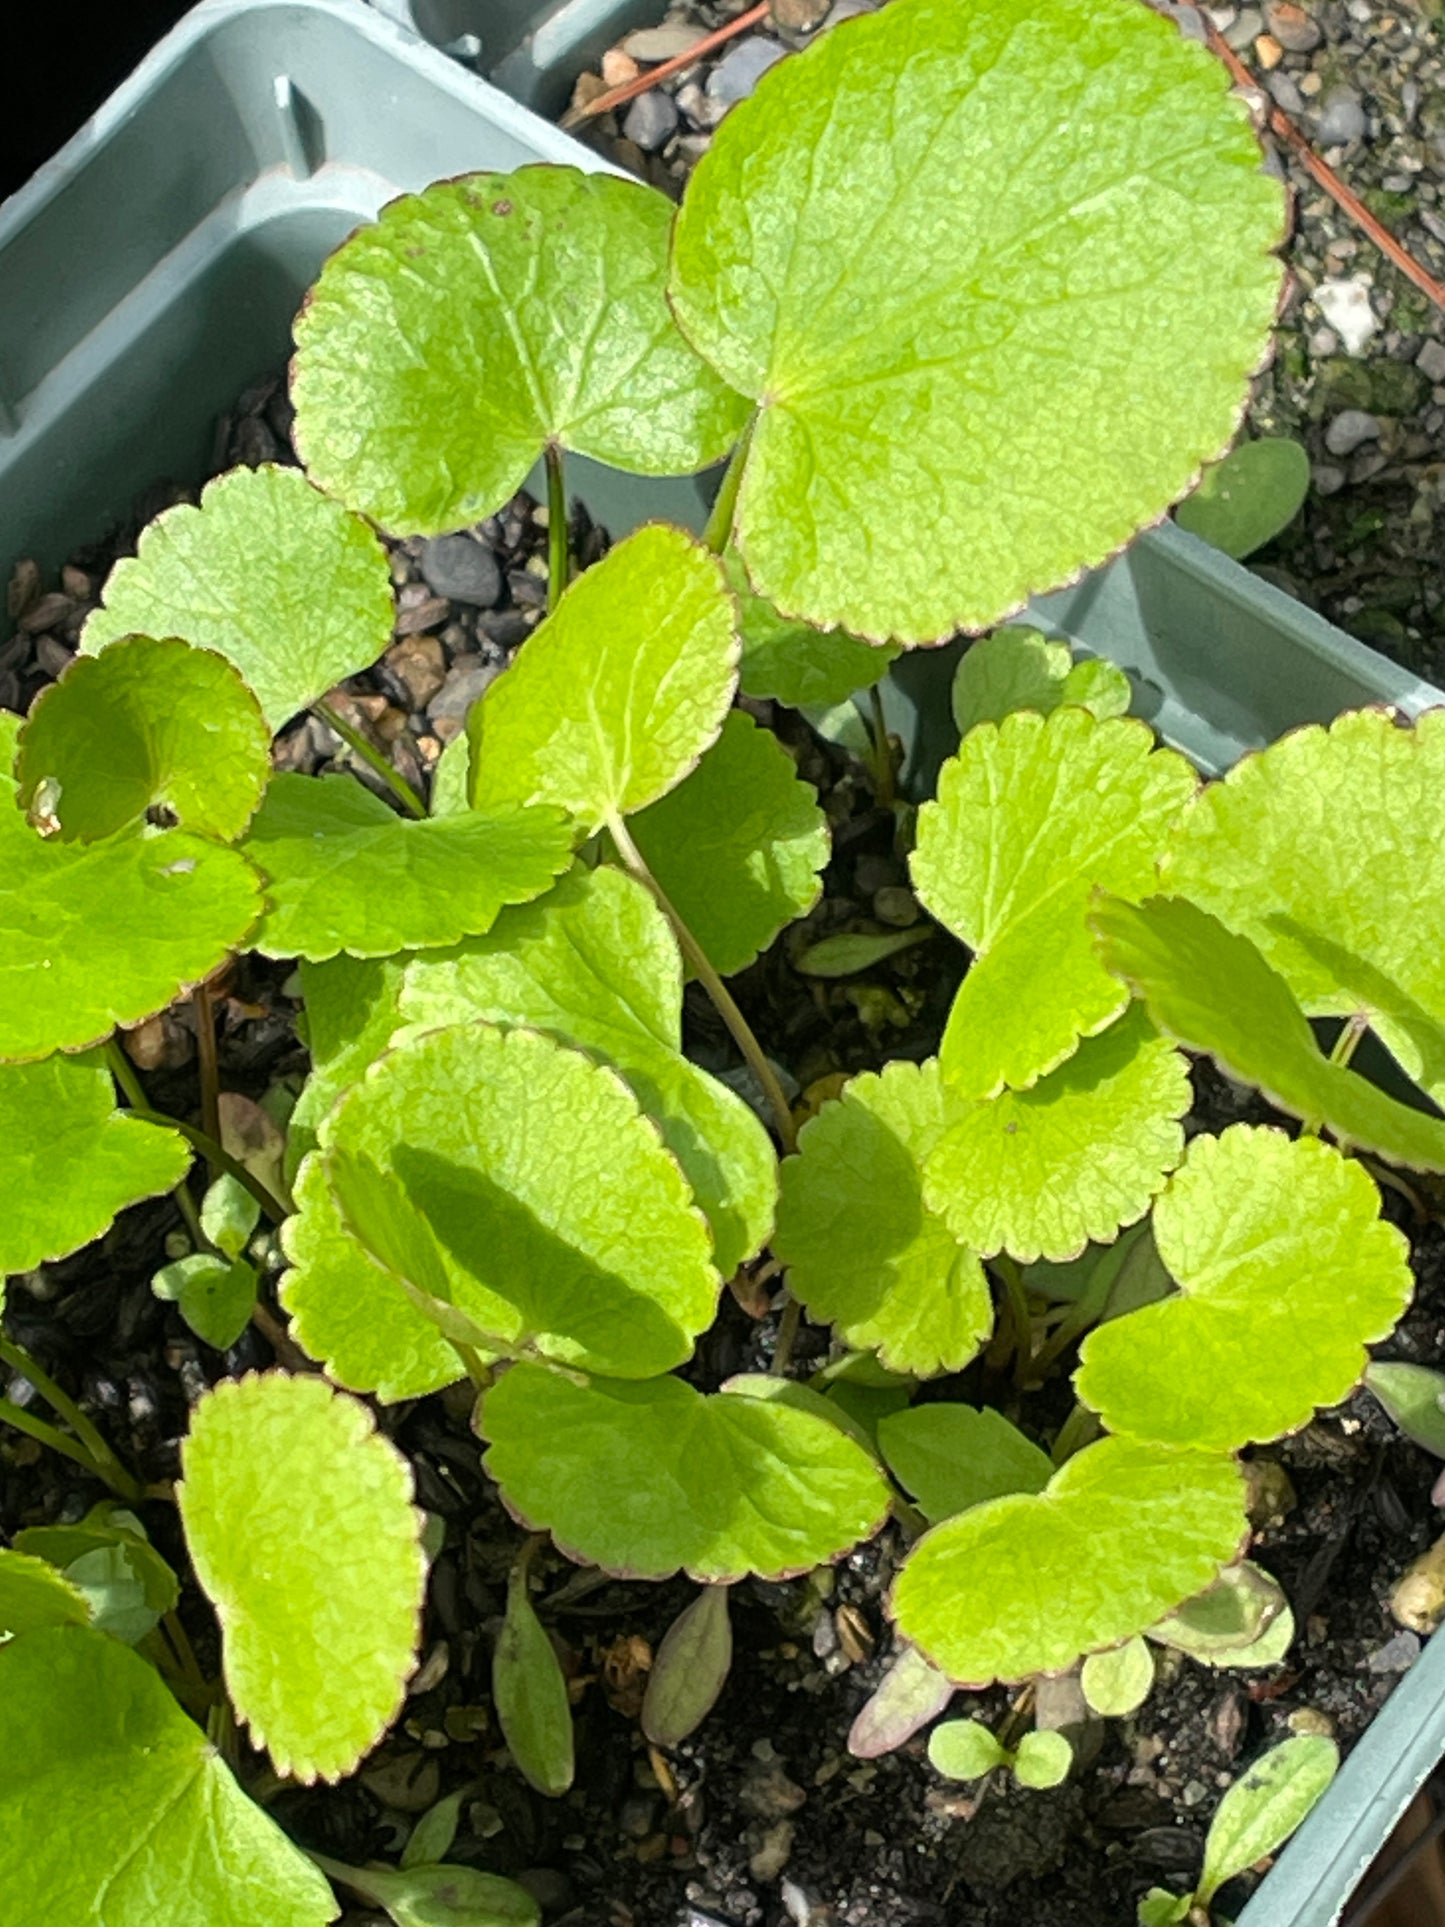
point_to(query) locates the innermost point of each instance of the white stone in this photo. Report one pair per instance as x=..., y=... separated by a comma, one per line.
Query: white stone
x=1345, y=305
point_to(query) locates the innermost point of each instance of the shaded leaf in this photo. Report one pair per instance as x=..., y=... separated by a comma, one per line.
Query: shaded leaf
x=351, y=1012
x=1248, y=498
x=1286, y=1272
x=445, y=1896
x=791, y=661
x=941, y=308
x=910, y=1694
x=430, y=1840
x=344, y=872
x=1019, y=668
x=229, y=1215
x=495, y=314
x=216, y=1295
x=147, y=725
x=1414, y=1397
x=1031, y=817
x=71, y=1160
x=106, y=1527
x=1263, y=1808
x=300, y=1525
x=1043, y=1760
x=951, y=1457
x=34, y=1595
x=530, y=1695
x=1228, y=1617
x=1028, y=1583
x=854, y=951
x=863, y=1250
x=689, y=1669
x=269, y=572
x=964, y=1750
x=738, y=846
x=649, y=1478
x=1041, y=1172
x=1117, y=1681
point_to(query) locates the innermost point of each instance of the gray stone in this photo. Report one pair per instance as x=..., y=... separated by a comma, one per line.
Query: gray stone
x=652, y=45
x=1397, y=1655
x=465, y=681
x=1341, y=118
x=462, y=569
x=1328, y=479
x=1350, y=430
x=1292, y=27
x=849, y=10
x=1431, y=362
x=652, y=120
x=1245, y=31
x=1285, y=94
x=742, y=67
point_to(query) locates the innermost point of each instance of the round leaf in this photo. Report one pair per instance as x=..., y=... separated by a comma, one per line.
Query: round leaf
x=1286, y=1273
x=1118, y=1681
x=648, y=1478
x=115, y=1807
x=70, y=1160
x=1039, y=1173
x=493, y=315
x=563, y=1223
x=1031, y=817
x=611, y=701
x=951, y=1457
x=1017, y=668
x=344, y=872
x=1028, y=1583
x=1226, y=1623
x=1043, y=1760
x=300, y=1525
x=595, y=964
x=267, y=571
x=794, y=663
x=34, y=1595
x=1412, y=1395
x=1250, y=497
x=738, y=846
x=1263, y=1808
x=971, y=295
x=148, y=725
x=964, y=1750
x=863, y=1250
x=216, y=1295
x=1324, y=850
x=530, y=1695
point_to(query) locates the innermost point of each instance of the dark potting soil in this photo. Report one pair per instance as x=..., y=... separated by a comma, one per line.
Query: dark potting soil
x=763, y=1819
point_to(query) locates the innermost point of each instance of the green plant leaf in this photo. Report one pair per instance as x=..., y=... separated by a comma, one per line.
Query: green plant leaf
x=1019, y=668
x=1226, y=1617
x=1250, y=497
x=1038, y=1173
x=344, y=872
x=1117, y=1681
x=216, y=1295
x=106, y=1527
x=942, y=307
x=530, y=1695
x=1213, y=991
x=964, y=1750
x=1160, y=1908
x=430, y=1840
x=614, y=697
x=1263, y=1808
x=1414, y=1397
x=863, y=1250
x=34, y=1594
x=596, y=965
x=1322, y=851
x=445, y=1896
x=115, y=1807
x=910, y=1694
x=951, y=1457
x=689, y=1669
x=1043, y=1760
x=98, y=934
x=1245, y=1351
x=791, y=661
x=1031, y=817
x=229, y=1215
x=269, y=572
x=739, y=845
x=351, y=1013
x=299, y=1520
x=564, y=1224
x=147, y=726
x=494, y=315
x=71, y=1160
x=116, y=1593
x=1028, y=1583
x=855, y=951
x=649, y=1478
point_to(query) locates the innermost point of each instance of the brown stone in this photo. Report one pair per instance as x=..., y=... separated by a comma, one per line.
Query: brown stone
x=419, y=664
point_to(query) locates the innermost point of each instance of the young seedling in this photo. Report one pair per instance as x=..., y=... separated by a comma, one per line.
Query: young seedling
x=967, y=1750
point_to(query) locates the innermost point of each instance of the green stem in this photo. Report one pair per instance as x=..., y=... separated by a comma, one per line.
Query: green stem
x=356, y=1878
x=712, y=983
x=1079, y=1429
x=99, y=1456
x=199, y=1140
x=884, y=792
x=559, y=557
x=124, y=1075
x=185, y=1653
x=788, y=1326
x=1348, y=1041
x=36, y=1428
x=372, y=757
x=719, y=530
x=210, y=1071
x=1011, y=1278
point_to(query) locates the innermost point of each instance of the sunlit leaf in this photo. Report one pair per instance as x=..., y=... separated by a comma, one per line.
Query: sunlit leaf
x=964, y=1750
x=1263, y=1808
x=793, y=662
x=1017, y=668
x=951, y=1457
x=216, y=1295
x=1117, y=1681
x=106, y=1527
x=351, y=1012
x=1250, y=497
x=34, y=1595
x=1043, y=1760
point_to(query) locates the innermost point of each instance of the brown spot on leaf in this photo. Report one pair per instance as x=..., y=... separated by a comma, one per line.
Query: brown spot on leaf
x=501, y=207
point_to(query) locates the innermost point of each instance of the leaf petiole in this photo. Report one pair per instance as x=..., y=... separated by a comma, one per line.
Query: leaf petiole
x=91, y=1451
x=199, y=1140
x=559, y=558
x=719, y=530
x=372, y=757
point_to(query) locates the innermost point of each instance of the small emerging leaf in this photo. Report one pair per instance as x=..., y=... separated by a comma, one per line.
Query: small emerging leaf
x=269, y=572
x=1414, y=1397
x=1018, y=668
x=1117, y=1681
x=216, y=1295
x=422, y=1896
x=952, y=1457
x=690, y=1669
x=1043, y=1760
x=964, y=1750
x=1160, y=1908
x=1250, y=497
x=1263, y=1808
x=530, y=1694
x=229, y=1215
x=855, y=951
x=910, y=1694
x=794, y=663
x=1227, y=1618
x=430, y=1840
x=116, y=1593
x=300, y=1525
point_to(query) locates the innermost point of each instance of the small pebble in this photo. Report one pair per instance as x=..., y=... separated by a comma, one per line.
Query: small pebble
x=651, y=121
x=1246, y=30
x=1349, y=430
x=462, y=569
x=1268, y=52
x=773, y=1855
x=1397, y=1655
x=1292, y=27
x=1285, y=94
x=1431, y=362
x=1327, y=479
x=654, y=44
x=618, y=68
x=1341, y=118
x=742, y=67
x=465, y=682
x=1345, y=305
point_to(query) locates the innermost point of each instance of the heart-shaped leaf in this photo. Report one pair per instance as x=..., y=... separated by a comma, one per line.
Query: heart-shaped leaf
x=611, y=701
x=1247, y=499
x=299, y=1520
x=344, y=872
x=596, y=965
x=942, y=306
x=1263, y=1808
x=494, y=315
x=951, y=1457
x=115, y=1807
x=648, y=1478
x=1038, y=1173
x=863, y=1250
x=1213, y=991
x=1322, y=850
x=34, y=1594
x=71, y=1160
x=267, y=571
x=1031, y=817
x=1018, y=668
x=791, y=661
x=148, y=725
x=1028, y=1583
x=738, y=846
x=564, y=1225
x=1286, y=1272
